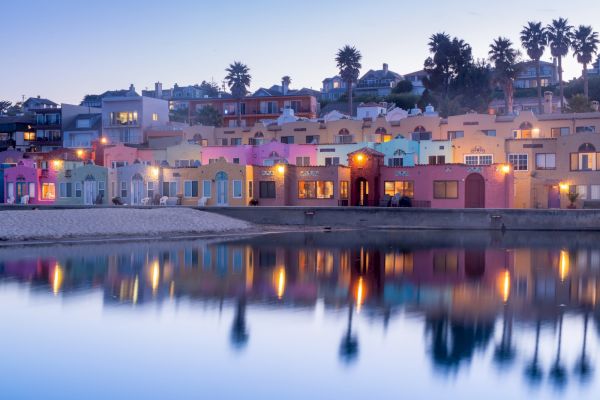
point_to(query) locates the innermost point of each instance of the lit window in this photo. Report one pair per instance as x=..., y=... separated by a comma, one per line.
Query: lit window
x=344, y=190
x=404, y=188
x=445, y=189
x=324, y=189
x=29, y=136
x=479, y=159
x=154, y=117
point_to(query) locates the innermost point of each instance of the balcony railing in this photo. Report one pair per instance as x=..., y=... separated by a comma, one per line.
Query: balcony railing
x=344, y=139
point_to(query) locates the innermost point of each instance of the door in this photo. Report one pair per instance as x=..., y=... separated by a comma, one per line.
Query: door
x=474, y=191
x=362, y=194
x=90, y=191
x=22, y=190
x=554, y=197
x=222, y=185
x=137, y=190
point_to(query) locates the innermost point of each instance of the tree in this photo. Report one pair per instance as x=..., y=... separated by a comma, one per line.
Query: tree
x=209, y=116
x=179, y=114
x=534, y=39
x=286, y=80
x=505, y=59
x=348, y=62
x=238, y=79
x=585, y=44
x=211, y=89
x=579, y=104
x=559, y=39
x=403, y=87
x=4, y=106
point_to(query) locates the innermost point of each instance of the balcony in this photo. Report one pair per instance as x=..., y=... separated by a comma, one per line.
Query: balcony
x=344, y=139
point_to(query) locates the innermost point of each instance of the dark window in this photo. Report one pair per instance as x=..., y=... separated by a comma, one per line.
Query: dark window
x=445, y=189
x=287, y=139
x=436, y=160
x=312, y=139
x=236, y=160
x=266, y=189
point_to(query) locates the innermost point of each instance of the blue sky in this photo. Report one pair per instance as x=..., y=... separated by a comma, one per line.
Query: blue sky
x=63, y=49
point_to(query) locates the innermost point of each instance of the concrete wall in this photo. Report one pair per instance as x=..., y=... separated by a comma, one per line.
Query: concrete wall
x=414, y=218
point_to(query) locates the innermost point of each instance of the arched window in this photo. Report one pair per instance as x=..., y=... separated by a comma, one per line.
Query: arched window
x=586, y=158
x=259, y=134
x=525, y=131
x=526, y=126
x=221, y=176
x=420, y=129
x=137, y=177
x=381, y=131
x=344, y=131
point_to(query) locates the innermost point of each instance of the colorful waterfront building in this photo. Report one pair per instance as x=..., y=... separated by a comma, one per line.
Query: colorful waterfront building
x=84, y=185
x=25, y=182
x=267, y=153
x=133, y=183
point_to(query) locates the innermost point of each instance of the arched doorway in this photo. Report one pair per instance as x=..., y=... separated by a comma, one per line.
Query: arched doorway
x=90, y=190
x=362, y=192
x=137, y=189
x=222, y=183
x=474, y=191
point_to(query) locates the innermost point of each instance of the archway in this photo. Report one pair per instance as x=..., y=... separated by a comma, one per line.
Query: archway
x=221, y=179
x=474, y=191
x=90, y=190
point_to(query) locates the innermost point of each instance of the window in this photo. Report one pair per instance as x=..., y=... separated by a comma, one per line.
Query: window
x=28, y=135
x=479, y=159
x=77, y=189
x=117, y=164
x=586, y=159
x=445, y=189
x=404, y=188
x=579, y=189
x=545, y=161
x=418, y=136
x=287, y=139
x=150, y=189
x=101, y=188
x=557, y=132
x=332, y=161
x=169, y=189
x=324, y=189
x=48, y=191
x=437, y=160
x=445, y=263
x=269, y=107
x=490, y=132
x=190, y=189
x=395, y=162
x=236, y=160
x=303, y=161
x=224, y=142
x=154, y=117
x=518, y=161
x=585, y=129
x=250, y=190
x=123, y=189
x=344, y=190
x=266, y=190
x=237, y=189
x=229, y=108
x=595, y=192
x=236, y=141
x=123, y=118
x=455, y=134
x=307, y=189
x=65, y=189
x=312, y=139
x=206, y=186
x=32, y=190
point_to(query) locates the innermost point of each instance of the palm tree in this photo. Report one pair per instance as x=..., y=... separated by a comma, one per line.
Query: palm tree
x=505, y=59
x=238, y=79
x=348, y=62
x=559, y=39
x=534, y=40
x=585, y=44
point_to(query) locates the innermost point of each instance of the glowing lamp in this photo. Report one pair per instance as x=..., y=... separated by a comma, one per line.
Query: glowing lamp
x=563, y=186
x=155, y=171
x=103, y=140
x=360, y=157
x=56, y=164
x=505, y=168
x=80, y=153
x=281, y=169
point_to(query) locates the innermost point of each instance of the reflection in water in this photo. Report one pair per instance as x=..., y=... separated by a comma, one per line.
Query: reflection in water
x=471, y=292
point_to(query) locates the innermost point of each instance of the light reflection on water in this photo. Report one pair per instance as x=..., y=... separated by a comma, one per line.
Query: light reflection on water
x=323, y=315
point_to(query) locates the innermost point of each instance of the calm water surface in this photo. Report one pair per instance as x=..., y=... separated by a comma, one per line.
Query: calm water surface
x=419, y=315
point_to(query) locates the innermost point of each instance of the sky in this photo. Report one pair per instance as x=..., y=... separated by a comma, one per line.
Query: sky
x=64, y=49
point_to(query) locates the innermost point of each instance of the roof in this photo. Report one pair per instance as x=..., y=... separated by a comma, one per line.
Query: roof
x=381, y=74
x=40, y=100
x=369, y=151
x=277, y=90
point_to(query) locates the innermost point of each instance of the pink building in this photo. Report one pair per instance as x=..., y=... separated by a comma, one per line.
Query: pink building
x=267, y=154
x=121, y=155
x=25, y=179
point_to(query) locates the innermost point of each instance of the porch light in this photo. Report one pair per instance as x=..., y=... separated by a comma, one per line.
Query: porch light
x=80, y=153
x=155, y=172
x=564, y=187
x=56, y=164
x=360, y=157
x=281, y=168
x=103, y=140
x=505, y=168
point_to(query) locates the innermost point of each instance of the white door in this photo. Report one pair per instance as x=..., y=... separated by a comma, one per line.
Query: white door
x=137, y=191
x=90, y=191
x=222, y=184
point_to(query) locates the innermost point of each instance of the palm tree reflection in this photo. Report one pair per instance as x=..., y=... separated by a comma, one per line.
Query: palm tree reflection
x=558, y=372
x=239, y=331
x=349, y=345
x=534, y=372
x=584, y=368
x=505, y=351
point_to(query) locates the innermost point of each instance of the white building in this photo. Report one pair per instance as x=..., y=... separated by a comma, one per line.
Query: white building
x=126, y=119
x=371, y=110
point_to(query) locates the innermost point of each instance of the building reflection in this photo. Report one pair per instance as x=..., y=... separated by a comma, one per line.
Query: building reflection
x=468, y=294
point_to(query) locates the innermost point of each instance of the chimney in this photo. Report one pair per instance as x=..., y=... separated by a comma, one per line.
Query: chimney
x=595, y=105
x=385, y=68
x=285, y=85
x=548, y=102
x=158, y=90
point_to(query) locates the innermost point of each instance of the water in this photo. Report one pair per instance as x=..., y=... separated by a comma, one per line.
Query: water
x=385, y=314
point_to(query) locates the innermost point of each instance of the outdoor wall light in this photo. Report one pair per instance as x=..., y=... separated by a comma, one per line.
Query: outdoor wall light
x=505, y=168
x=103, y=140
x=155, y=172
x=281, y=169
x=56, y=164
x=563, y=186
x=80, y=153
x=360, y=157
